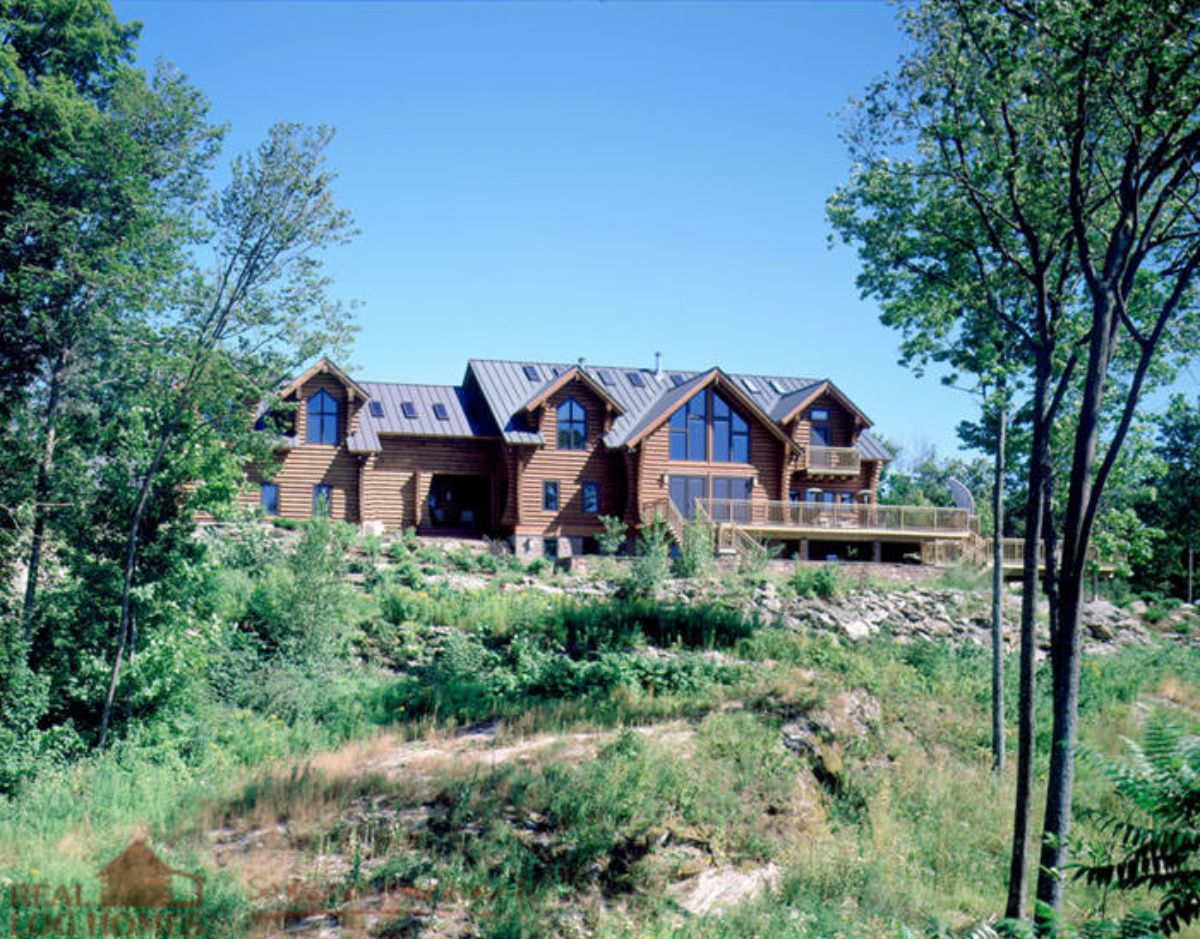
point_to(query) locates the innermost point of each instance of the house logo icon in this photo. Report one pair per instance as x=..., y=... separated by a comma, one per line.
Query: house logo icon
x=137, y=877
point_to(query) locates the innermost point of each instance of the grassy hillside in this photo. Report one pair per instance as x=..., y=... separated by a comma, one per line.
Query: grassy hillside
x=536, y=757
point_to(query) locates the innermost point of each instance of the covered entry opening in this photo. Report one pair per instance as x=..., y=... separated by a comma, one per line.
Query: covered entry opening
x=458, y=503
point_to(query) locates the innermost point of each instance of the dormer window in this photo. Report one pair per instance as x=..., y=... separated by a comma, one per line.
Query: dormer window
x=323, y=418
x=572, y=425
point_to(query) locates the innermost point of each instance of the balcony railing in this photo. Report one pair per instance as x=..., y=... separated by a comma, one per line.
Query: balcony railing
x=818, y=516
x=834, y=461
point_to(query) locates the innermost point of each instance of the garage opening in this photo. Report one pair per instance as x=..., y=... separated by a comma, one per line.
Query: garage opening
x=458, y=504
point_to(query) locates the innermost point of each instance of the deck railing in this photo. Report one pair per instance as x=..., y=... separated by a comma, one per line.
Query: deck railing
x=919, y=519
x=834, y=461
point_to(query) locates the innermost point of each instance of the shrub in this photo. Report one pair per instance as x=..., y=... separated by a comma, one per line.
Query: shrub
x=696, y=550
x=754, y=560
x=612, y=539
x=824, y=582
x=651, y=565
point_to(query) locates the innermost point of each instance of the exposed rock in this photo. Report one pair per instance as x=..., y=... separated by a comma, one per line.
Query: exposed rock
x=714, y=891
x=821, y=735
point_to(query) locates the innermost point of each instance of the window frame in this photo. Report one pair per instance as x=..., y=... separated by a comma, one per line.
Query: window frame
x=823, y=423
x=550, y=495
x=325, y=489
x=268, y=509
x=318, y=417
x=725, y=437
x=570, y=425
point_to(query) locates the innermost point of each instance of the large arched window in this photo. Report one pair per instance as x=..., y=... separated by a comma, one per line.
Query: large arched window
x=323, y=418
x=572, y=426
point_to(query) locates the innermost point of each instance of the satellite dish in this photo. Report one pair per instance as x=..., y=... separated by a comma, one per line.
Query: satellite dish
x=962, y=495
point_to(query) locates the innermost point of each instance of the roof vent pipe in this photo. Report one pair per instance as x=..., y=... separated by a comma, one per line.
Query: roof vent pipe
x=658, y=372
x=582, y=361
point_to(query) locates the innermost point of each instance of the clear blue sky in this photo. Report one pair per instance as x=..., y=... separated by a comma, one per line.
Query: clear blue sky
x=541, y=180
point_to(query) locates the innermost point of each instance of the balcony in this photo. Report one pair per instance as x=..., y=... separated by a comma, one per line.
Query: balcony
x=834, y=461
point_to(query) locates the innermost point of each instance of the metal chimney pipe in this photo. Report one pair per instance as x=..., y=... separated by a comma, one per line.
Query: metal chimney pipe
x=658, y=372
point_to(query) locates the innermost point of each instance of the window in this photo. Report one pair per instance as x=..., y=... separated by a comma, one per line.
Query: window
x=322, y=499
x=635, y=379
x=777, y=386
x=731, y=433
x=676, y=379
x=532, y=373
x=268, y=496
x=550, y=549
x=591, y=498
x=550, y=495
x=689, y=437
x=440, y=412
x=376, y=409
x=821, y=435
x=605, y=376
x=572, y=425
x=690, y=429
x=751, y=385
x=409, y=410
x=322, y=418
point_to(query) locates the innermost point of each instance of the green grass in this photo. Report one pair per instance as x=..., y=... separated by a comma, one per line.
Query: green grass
x=911, y=842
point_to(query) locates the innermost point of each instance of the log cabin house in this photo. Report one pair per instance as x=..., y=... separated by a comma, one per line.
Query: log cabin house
x=536, y=452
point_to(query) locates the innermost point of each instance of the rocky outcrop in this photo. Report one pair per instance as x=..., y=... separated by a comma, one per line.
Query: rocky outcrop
x=821, y=735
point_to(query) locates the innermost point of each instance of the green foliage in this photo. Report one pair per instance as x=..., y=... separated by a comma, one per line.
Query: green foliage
x=753, y=562
x=612, y=538
x=696, y=550
x=823, y=582
x=1155, y=834
x=304, y=611
x=649, y=568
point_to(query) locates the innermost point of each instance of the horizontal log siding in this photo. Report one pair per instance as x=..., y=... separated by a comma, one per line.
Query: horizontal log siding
x=398, y=477
x=841, y=423
x=766, y=456
x=571, y=468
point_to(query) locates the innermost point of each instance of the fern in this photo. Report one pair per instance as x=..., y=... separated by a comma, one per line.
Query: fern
x=1157, y=844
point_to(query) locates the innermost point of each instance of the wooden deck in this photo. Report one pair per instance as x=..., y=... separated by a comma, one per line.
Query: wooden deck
x=943, y=536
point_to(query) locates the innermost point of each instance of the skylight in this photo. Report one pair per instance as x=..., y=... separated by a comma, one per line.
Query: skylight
x=778, y=387
x=532, y=373
x=750, y=385
x=376, y=409
x=676, y=379
x=440, y=412
x=635, y=379
x=408, y=409
x=605, y=376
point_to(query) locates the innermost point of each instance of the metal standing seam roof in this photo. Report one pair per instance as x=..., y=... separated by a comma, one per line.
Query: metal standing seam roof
x=506, y=390
x=491, y=402
x=464, y=417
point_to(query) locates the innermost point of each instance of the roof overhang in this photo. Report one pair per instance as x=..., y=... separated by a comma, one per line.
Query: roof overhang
x=574, y=373
x=714, y=377
x=324, y=365
x=826, y=388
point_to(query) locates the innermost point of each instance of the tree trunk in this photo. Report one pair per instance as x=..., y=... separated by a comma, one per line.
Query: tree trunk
x=1191, y=565
x=41, y=497
x=997, y=593
x=1064, y=646
x=1018, y=877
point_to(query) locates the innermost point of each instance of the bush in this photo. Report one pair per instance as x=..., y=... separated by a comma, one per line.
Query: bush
x=696, y=552
x=754, y=560
x=612, y=539
x=650, y=567
x=823, y=582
